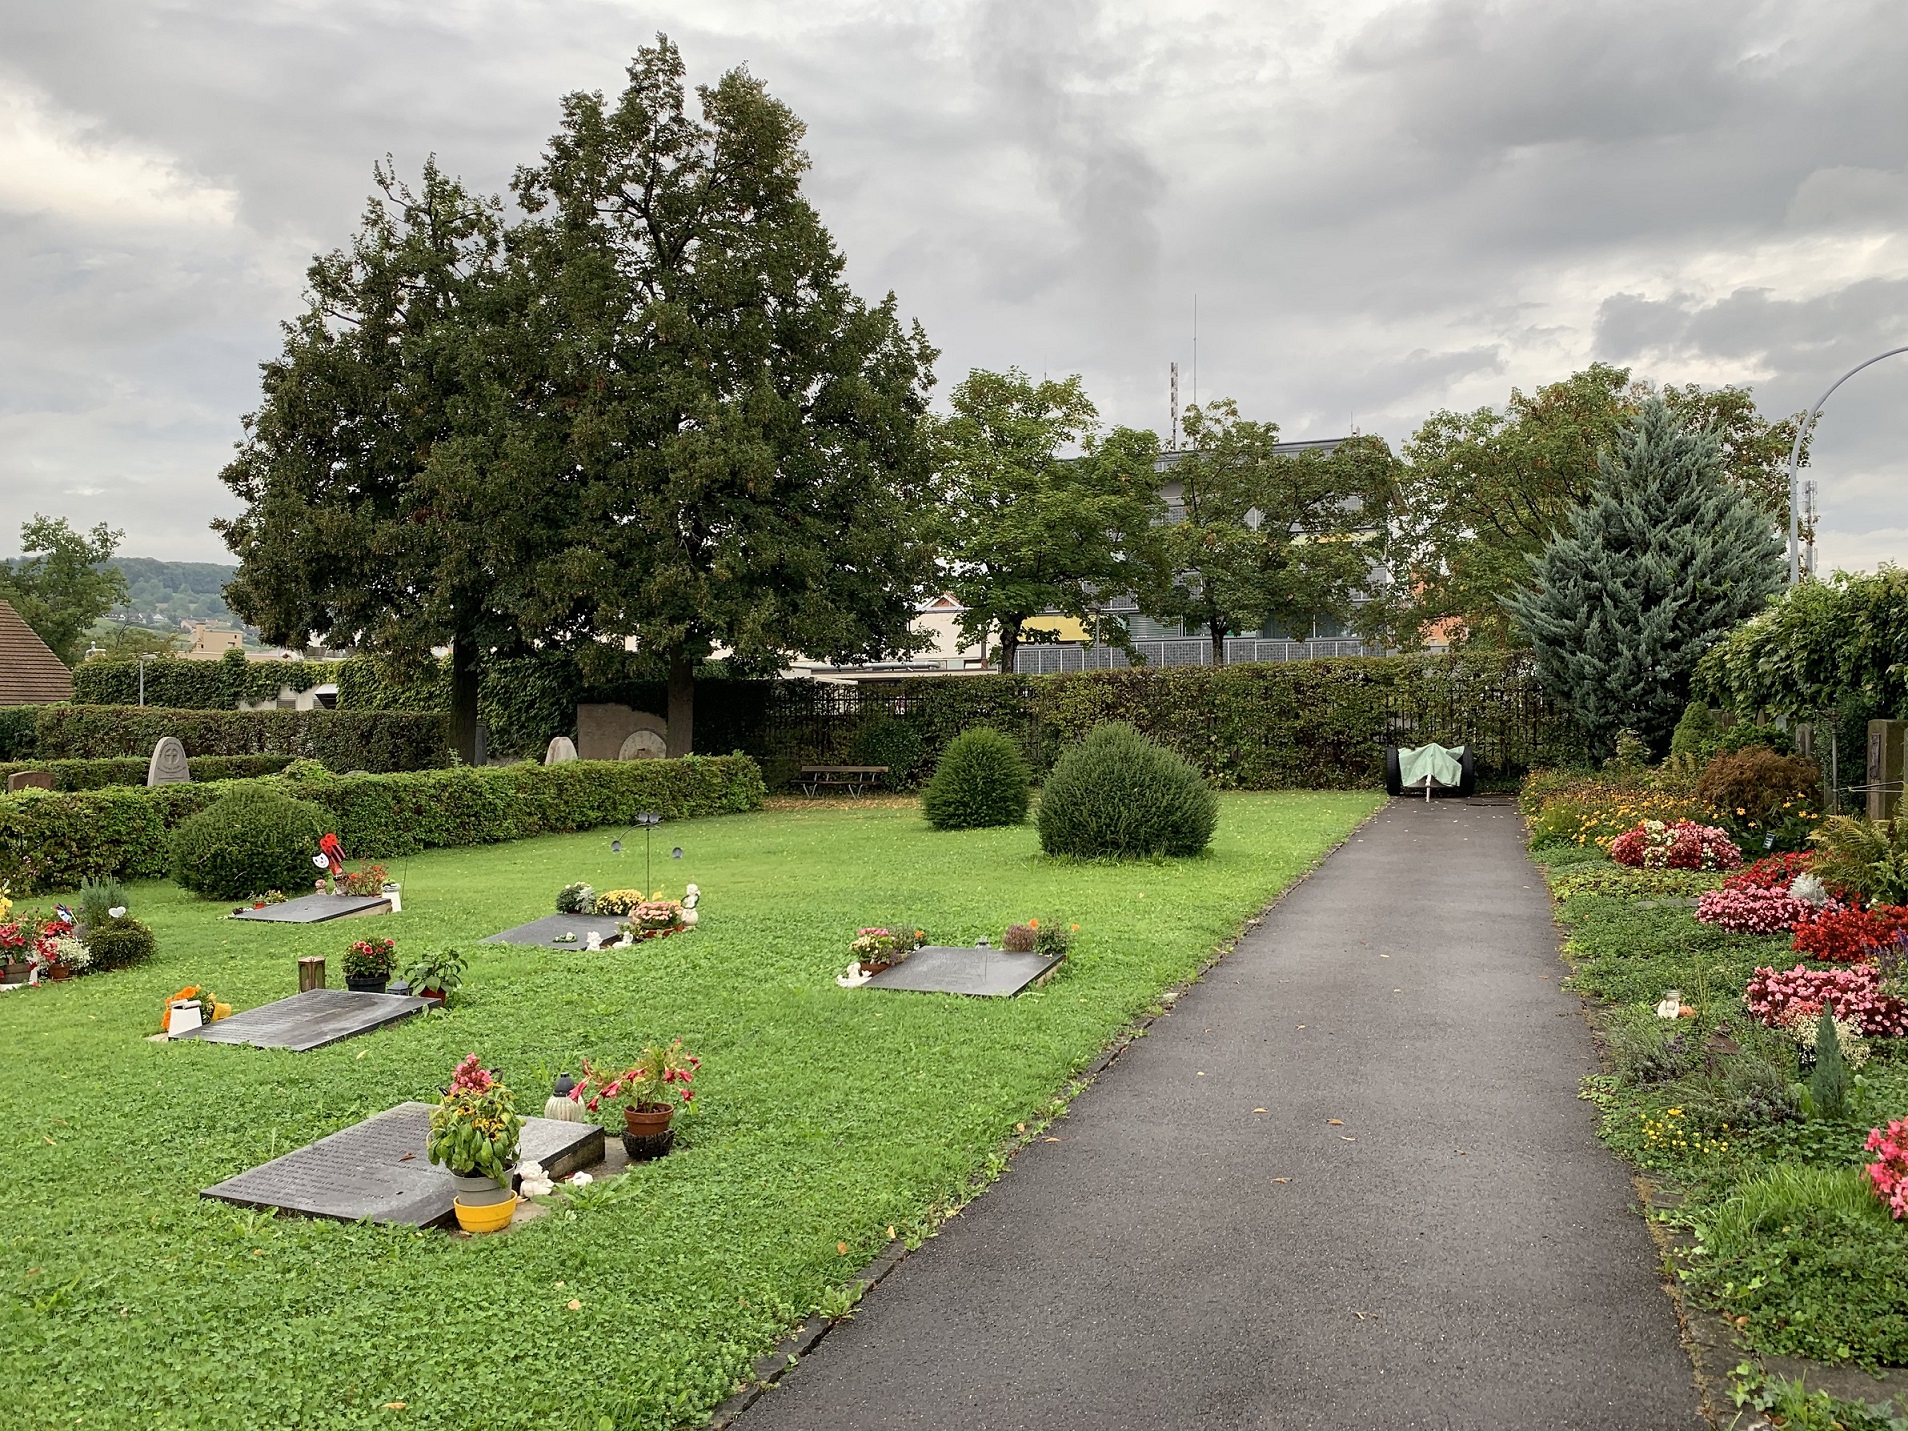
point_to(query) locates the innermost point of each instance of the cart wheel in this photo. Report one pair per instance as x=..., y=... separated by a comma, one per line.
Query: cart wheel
x=1394, y=779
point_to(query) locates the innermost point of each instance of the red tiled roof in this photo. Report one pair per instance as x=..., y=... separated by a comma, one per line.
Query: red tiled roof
x=30, y=674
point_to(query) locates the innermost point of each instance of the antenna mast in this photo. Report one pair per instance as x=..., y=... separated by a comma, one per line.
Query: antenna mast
x=1172, y=433
x=1195, y=350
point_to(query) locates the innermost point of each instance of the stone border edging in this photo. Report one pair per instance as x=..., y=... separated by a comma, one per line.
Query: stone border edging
x=773, y=1365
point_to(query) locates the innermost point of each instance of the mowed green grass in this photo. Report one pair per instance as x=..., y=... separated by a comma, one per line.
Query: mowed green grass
x=823, y=1117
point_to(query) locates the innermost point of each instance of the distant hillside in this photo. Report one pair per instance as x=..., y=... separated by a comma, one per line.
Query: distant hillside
x=164, y=593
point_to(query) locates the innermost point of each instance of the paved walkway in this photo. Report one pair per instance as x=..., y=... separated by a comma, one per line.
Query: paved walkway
x=1457, y=1252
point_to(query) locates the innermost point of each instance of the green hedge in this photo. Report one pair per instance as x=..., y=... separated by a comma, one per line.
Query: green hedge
x=181, y=684
x=54, y=840
x=344, y=740
x=131, y=769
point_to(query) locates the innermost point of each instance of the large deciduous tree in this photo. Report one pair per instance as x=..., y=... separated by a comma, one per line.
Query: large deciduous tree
x=1025, y=527
x=62, y=585
x=1663, y=559
x=1483, y=492
x=735, y=439
x=363, y=522
x=1264, y=537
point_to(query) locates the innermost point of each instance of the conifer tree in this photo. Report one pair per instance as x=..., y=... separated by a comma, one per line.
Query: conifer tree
x=1662, y=560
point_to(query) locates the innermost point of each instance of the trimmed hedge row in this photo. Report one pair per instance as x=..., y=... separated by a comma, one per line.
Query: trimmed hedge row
x=181, y=684
x=131, y=769
x=54, y=840
x=345, y=740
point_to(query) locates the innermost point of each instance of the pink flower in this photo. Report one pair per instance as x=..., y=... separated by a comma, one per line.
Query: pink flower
x=1853, y=993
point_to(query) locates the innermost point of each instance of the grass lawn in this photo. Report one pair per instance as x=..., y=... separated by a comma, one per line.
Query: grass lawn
x=823, y=1117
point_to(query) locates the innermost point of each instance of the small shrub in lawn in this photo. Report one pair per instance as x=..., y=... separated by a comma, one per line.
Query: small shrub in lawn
x=1747, y=1091
x=1020, y=939
x=120, y=943
x=1053, y=939
x=1648, y=1049
x=251, y=840
x=981, y=781
x=576, y=899
x=1117, y=793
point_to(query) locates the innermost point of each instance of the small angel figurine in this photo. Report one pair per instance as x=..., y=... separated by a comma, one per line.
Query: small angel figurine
x=689, y=902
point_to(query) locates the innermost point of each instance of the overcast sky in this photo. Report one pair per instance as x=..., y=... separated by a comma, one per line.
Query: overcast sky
x=1383, y=209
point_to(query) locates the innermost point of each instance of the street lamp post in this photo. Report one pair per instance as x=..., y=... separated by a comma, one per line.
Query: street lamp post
x=1795, y=461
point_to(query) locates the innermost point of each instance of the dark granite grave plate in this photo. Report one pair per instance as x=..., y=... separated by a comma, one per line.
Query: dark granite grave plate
x=317, y=908
x=546, y=930
x=311, y=1019
x=378, y=1169
x=953, y=969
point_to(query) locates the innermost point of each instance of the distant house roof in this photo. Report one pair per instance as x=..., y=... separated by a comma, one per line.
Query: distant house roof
x=30, y=674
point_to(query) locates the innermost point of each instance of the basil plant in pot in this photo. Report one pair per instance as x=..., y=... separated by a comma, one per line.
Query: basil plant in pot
x=474, y=1132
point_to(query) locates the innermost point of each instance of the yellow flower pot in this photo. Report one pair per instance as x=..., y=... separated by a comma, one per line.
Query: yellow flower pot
x=486, y=1217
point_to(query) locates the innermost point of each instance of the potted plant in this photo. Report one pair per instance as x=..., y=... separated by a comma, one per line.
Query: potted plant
x=474, y=1132
x=58, y=955
x=210, y=1009
x=436, y=976
x=367, y=965
x=369, y=880
x=648, y=1091
x=877, y=948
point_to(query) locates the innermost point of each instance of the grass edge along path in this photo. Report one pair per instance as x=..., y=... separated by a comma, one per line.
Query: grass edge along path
x=825, y=1117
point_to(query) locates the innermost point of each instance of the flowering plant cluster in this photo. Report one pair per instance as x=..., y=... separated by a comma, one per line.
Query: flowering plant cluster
x=1752, y=909
x=1684, y=845
x=1672, y=1135
x=878, y=945
x=1800, y=1024
x=1889, y=1173
x=1769, y=872
x=660, y=1071
x=475, y=1126
x=370, y=959
x=656, y=914
x=1848, y=936
x=1855, y=994
x=369, y=880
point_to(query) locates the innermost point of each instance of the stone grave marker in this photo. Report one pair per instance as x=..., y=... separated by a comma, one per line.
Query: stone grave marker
x=643, y=745
x=311, y=1020
x=317, y=908
x=378, y=1169
x=561, y=752
x=29, y=780
x=547, y=930
x=168, y=764
x=952, y=969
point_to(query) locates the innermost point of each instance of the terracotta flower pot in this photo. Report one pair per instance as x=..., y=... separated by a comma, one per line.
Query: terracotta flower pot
x=649, y=1121
x=876, y=966
x=59, y=972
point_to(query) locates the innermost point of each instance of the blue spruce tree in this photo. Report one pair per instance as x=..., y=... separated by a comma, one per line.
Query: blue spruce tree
x=1665, y=557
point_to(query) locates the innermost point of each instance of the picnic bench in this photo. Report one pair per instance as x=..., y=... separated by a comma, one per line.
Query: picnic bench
x=852, y=778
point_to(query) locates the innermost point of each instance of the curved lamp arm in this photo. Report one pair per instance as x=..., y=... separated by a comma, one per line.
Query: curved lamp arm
x=1795, y=459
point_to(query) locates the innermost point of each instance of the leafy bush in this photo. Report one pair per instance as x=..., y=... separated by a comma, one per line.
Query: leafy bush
x=56, y=840
x=344, y=740
x=131, y=769
x=97, y=897
x=1695, y=734
x=1020, y=939
x=1648, y=1049
x=1747, y=1091
x=120, y=943
x=1116, y=793
x=1869, y=858
x=576, y=899
x=980, y=782
x=1761, y=793
x=893, y=743
x=254, y=839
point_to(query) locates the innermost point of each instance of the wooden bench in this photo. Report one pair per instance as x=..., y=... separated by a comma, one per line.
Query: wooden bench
x=852, y=778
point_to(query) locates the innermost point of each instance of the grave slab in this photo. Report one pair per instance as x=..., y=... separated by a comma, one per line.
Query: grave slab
x=311, y=1020
x=546, y=930
x=317, y=908
x=955, y=969
x=378, y=1169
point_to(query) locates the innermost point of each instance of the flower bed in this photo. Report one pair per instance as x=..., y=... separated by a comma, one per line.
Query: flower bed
x=1777, y=872
x=1684, y=845
x=1848, y=936
x=1855, y=994
x=1754, y=909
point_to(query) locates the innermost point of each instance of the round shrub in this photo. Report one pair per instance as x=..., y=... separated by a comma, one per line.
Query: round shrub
x=981, y=781
x=250, y=841
x=1117, y=793
x=119, y=943
x=1759, y=785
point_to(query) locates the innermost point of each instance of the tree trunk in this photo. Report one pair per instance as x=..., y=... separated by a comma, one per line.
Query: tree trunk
x=1215, y=628
x=682, y=706
x=1009, y=644
x=464, y=673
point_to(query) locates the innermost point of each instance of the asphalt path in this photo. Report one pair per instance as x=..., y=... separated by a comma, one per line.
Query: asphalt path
x=1347, y=1182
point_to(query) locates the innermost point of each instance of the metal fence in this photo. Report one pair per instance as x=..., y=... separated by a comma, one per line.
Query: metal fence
x=1184, y=651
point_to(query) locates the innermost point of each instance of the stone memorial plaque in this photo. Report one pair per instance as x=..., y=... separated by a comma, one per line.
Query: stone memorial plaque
x=311, y=1020
x=168, y=764
x=951, y=969
x=29, y=780
x=547, y=929
x=643, y=745
x=378, y=1169
x=317, y=908
x=561, y=752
